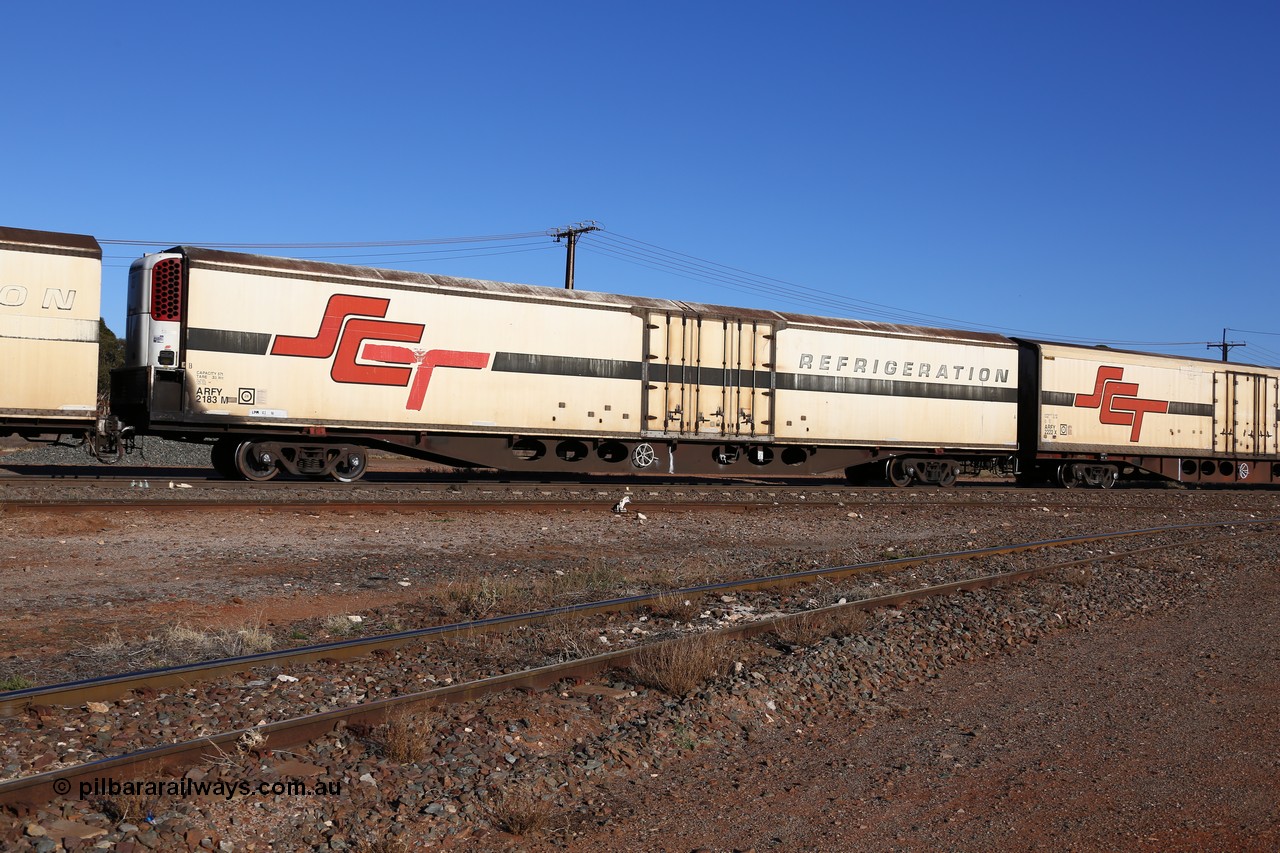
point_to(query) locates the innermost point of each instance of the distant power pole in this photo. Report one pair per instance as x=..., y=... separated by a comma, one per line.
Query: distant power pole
x=1226, y=346
x=570, y=233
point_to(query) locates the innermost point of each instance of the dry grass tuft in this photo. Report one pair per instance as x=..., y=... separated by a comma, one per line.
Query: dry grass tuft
x=806, y=629
x=189, y=644
x=680, y=666
x=681, y=608
x=247, y=744
x=174, y=645
x=603, y=580
x=698, y=569
x=488, y=596
x=565, y=637
x=338, y=625
x=519, y=811
x=404, y=737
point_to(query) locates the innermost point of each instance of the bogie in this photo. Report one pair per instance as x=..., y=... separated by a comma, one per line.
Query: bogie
x=1096, y=475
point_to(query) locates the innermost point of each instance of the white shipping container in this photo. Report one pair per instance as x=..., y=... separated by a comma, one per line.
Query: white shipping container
x=354, y=351
x=894, y=387
x=50, y=287
x=1096, y=400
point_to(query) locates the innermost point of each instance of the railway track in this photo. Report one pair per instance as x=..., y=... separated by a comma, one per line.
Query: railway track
x=159, y=477
x=487, y=497
x=287, y=732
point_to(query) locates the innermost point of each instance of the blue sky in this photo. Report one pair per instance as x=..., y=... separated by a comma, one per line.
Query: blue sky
x=1105, y=171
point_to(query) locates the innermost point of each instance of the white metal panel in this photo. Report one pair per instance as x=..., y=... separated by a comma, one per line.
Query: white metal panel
x=1099, y=399
x=836, y=386
x=361, y=354
x=49, y=305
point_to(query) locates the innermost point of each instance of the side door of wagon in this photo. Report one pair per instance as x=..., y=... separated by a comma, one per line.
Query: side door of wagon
x=707, y=376
x=1245, y=406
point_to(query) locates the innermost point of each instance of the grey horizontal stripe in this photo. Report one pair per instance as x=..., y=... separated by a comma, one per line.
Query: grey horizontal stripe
x=562, y=365
x=896, y=388
x=609, y=368
x=717, y=376
x=714, y=376
x=1200, y=410
x=1057, y=398
x=60, y=414
x=46, y=328
x=218, y=340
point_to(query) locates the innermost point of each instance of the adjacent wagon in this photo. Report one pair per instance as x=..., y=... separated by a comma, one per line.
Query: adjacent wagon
x=50, y=287
x=1091, y=413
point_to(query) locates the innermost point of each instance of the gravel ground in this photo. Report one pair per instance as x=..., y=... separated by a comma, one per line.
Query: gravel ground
x=1152, y=726
x=151, y=452
x=1131, y=707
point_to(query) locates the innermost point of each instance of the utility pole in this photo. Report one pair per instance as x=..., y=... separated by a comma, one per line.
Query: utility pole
x=570, y=233
x=1226, y=346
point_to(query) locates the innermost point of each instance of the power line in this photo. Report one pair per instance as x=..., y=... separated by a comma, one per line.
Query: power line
x=369, y=244
x=687, y=266
x=472, y=254
x=453, y=257
x=1270, y=355
x=669, y=262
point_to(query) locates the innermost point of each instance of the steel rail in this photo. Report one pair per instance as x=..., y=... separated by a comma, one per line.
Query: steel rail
x=647, y=497
x=111, y=687
x=508, y=502
x=172, y=759
x=498, y=504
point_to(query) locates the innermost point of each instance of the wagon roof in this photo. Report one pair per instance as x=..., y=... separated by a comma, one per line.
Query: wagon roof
x=1103, y=348
x=327, y=271
x=25, y=238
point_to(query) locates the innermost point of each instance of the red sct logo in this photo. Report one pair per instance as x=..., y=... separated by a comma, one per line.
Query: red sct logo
x=1118, y=402
x=348, y=329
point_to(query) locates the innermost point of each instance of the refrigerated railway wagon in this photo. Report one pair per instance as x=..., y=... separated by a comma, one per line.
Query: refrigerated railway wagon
x=302, y=366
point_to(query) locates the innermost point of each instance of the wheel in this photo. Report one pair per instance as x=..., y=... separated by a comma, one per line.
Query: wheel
x=1068, y=476
x=1109, y=477
x=950, y=474
x=643, y=456
x=255, y=462
x=223, y=457
x=351, y=467
x=897, y=474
